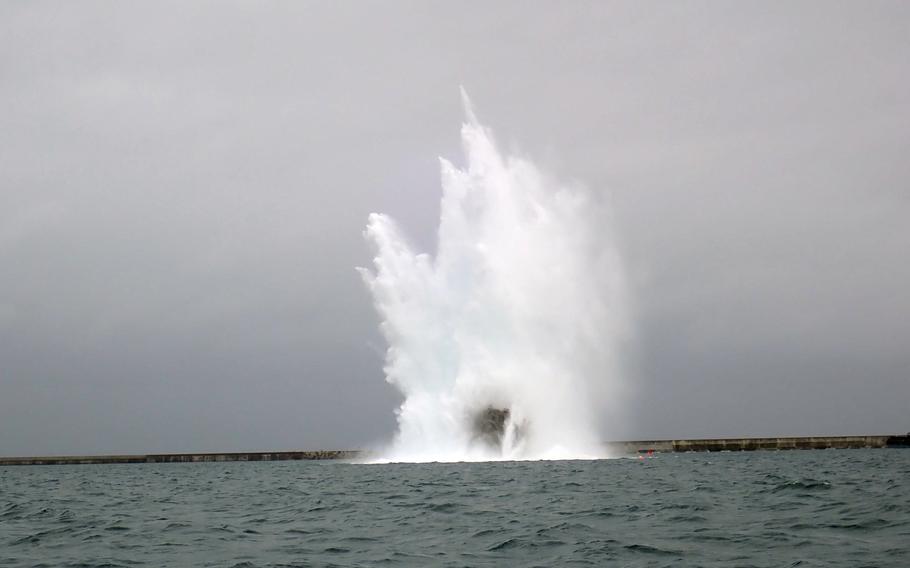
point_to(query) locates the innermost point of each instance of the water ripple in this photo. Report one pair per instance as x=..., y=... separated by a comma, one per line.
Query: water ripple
x=837, y=509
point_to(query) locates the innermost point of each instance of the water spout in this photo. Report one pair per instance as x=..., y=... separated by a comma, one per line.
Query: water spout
x=504, y=342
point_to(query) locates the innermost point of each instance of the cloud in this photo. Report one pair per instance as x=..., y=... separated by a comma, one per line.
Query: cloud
x=182, y=201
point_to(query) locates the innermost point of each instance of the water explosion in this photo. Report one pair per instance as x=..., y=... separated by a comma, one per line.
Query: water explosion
x=504, y=344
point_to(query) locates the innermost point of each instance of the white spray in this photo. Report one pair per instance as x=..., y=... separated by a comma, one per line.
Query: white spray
x=519, y=311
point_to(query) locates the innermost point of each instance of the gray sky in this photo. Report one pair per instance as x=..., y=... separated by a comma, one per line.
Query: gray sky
x=183, y=189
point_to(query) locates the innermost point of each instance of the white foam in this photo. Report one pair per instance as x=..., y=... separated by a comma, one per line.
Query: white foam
x=520, y=308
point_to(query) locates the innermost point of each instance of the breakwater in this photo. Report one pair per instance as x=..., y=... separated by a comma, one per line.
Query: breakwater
x=183, y=458
x=615, y=448
x=754, y=444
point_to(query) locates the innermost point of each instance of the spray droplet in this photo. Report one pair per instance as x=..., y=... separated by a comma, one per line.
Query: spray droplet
x=503, y=343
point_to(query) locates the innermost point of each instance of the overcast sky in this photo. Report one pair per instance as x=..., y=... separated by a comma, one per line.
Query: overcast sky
x=183, y=189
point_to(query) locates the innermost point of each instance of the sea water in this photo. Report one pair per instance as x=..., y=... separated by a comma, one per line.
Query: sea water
x=796, y=508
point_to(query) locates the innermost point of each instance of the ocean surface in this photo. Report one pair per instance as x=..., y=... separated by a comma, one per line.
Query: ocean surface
x=829, y=508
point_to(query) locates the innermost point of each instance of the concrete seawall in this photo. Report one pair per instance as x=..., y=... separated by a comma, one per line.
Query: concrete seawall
x=753, y=444
x=616, y=448
x=183, y=458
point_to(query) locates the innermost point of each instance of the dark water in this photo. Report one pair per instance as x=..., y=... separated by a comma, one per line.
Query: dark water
x=801, y=508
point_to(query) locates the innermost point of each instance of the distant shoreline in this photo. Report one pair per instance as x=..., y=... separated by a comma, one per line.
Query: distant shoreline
x=616, y=448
